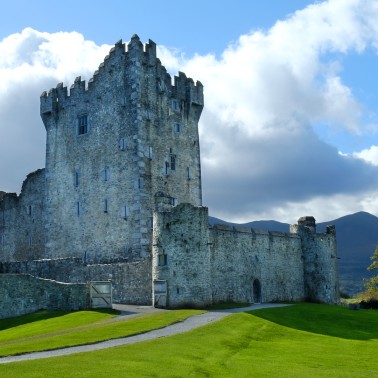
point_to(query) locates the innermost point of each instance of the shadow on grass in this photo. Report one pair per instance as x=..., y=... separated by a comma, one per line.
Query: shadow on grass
x=227, y=306
x=41, y=315
x=324, y=319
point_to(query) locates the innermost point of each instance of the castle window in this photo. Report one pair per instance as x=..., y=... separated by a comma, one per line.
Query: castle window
x=175, y=105
x=188, y=176
x=105, y=174
x=172, y=201
x=105, y=205
x=166, y=167
x=162, y=260
x=151, y=222
x=173, y=162
x=148, y=115
x=139, y=183
x=150, y=152
x=123, y=101
x=177, y=290
x=82, y=124
x=78, y=209
x=125, y=212
x=161, y=85
x=177, y=127
x=29, y=209
x=122, y=144
x=76, y=178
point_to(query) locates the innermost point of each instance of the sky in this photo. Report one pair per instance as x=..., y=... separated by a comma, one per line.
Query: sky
x=290, y=125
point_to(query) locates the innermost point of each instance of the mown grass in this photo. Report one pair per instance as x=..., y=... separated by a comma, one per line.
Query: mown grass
x=240, y=345
x=52, y=330
x=326, y=320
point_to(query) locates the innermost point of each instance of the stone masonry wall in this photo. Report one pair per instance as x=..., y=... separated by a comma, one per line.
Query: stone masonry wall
x=22, y=294
x=239, y=256
x=131, y=281
x=320, y=264
x=22, y=220
x=181, y=255
x=232, y=264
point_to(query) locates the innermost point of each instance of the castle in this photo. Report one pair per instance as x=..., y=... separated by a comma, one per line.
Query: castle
x=120, y=198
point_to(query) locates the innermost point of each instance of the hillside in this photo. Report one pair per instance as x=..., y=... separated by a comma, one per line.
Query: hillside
x=357, y=237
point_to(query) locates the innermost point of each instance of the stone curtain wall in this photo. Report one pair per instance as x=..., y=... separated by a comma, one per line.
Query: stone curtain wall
x=23, y=294
x=241, y=255
x=131, y=281
x=202, y=267
x=221, y=264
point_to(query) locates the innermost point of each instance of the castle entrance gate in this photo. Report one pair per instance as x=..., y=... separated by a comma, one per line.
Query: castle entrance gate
x=100, y=294
x=160, y=293
x=256, y=291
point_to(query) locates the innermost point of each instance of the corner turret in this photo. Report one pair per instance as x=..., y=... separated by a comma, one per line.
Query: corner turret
x=309, y=222
x=319, y=261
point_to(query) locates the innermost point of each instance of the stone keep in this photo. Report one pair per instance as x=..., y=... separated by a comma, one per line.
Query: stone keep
x=116, y=151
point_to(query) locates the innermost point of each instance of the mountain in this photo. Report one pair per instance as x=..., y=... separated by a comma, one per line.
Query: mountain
x=357, y=238
x=265, y=225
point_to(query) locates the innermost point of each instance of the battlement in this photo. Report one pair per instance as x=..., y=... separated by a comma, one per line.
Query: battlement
x=131, y=57
x=252, y=231
x=9, y=201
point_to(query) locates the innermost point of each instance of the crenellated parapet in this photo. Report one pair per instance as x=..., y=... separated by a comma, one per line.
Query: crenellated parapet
x=48, y=102
x=134, y=58
x=9, y=201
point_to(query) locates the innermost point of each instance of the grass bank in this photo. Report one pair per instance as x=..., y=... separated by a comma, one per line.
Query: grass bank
x=296, y=341
x=52, y=330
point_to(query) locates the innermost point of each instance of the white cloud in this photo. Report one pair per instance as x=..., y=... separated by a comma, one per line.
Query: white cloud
x=370, y=155
x=261, y=157
x=30, y=63
x=263, y=99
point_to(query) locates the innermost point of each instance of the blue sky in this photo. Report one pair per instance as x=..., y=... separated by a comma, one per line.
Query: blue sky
x=290, y=122
x=201, y=26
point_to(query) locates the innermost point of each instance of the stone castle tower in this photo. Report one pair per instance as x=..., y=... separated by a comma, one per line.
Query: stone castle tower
x=117, y=150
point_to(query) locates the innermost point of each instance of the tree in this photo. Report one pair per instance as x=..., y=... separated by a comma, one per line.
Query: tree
x=372, y=283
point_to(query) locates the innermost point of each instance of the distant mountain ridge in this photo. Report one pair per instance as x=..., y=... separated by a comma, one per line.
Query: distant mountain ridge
x=357, y=238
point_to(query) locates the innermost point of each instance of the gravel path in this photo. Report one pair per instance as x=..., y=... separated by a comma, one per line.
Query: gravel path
x=184, y=326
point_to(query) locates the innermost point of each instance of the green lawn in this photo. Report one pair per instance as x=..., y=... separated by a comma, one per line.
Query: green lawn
x=297, y=341
x=52, y=330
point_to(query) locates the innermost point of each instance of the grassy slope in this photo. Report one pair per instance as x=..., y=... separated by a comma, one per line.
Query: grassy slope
x=241, y=345
x=77, y=328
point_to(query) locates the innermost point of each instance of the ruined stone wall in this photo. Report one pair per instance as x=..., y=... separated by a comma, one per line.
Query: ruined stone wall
x=132, y=282
x=239, y=256
x=115, y=150
x=22, y=294
x=8, y=225
x=22, y=234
